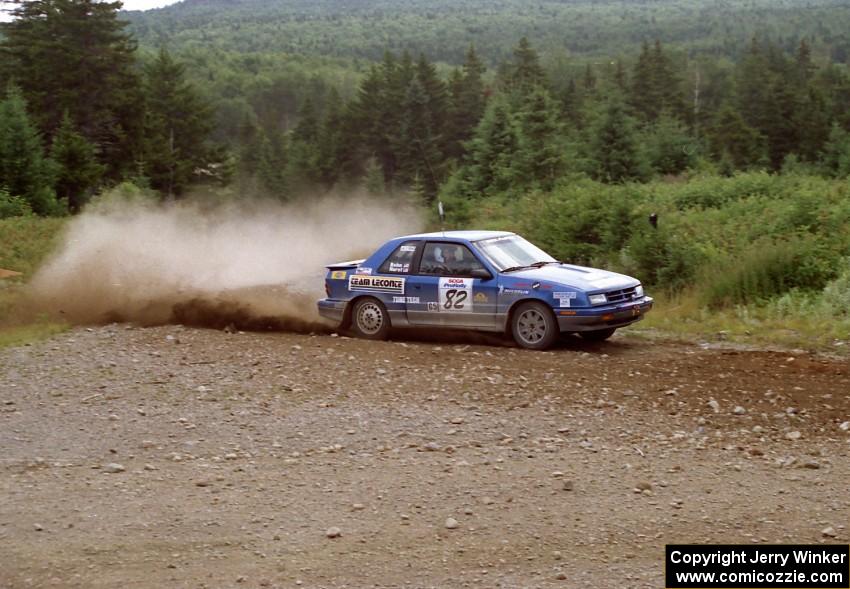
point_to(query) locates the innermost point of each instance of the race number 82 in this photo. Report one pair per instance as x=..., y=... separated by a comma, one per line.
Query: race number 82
x=455, y=299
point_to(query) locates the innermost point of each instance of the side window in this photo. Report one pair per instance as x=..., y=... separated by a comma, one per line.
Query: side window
x=400, y=260
x=448, y=259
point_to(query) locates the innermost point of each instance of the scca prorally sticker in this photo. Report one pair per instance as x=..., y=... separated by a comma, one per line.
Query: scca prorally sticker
x=365, y=271
x=396, y=267
x=408, y=248
x=376, y=284
x=564, y=298
x=456, y=294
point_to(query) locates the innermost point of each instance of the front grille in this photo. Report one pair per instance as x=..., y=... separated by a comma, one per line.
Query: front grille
x=621, y=296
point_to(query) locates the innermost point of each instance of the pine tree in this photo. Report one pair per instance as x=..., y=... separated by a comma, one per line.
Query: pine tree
x=77, y=169
x=490, y=165
x=524, y=73
x=836, y=154
x=467, y=103
x=731, y=138
x=74, y=56
x=670, y=148
x=304, y=167
x=178, y=121
x=540, y=155
x=613, y=148
x=272, y=165
x=24, y=171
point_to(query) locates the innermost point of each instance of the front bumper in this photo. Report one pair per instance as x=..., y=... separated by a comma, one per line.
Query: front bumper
x=331, y=309
x=603, y=317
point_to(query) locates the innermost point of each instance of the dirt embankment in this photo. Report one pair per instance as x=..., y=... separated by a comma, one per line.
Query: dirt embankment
x=178, y=457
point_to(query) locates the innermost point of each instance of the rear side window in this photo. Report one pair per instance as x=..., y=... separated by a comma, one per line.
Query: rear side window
x=400, y=260
x=448, y=259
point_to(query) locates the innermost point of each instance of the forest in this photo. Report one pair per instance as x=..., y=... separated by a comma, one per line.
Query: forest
x=486, y=106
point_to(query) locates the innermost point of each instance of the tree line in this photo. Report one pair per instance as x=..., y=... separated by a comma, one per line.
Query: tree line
x=82, y=109
x=79, y=110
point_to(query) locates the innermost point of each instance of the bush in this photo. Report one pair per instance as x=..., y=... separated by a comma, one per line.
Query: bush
x=836, y=295
x=582, y=222
x=13, y=206
x=767, y=269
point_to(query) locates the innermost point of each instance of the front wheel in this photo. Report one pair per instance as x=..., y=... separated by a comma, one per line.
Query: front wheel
x=598, y=335
x=370, y=320
x=534, y=327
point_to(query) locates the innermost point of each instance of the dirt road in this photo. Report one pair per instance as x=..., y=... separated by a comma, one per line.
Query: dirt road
x=177, y=457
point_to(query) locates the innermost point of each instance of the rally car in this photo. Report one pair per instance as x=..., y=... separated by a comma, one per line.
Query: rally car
x=480, y=280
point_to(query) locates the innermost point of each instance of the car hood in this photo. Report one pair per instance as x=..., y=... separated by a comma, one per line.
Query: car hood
x=578, y=277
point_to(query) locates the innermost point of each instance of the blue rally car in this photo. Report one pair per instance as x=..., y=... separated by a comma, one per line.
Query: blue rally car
x=480, y=280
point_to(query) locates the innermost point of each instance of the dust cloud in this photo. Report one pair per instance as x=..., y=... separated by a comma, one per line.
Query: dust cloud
x=248, y=265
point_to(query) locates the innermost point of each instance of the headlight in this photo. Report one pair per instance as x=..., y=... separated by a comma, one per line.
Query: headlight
x=597, y=299
x=639, y=291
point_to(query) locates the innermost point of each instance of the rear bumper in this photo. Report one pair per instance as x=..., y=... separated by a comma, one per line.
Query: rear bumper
x=331, y=309
x=604, y=317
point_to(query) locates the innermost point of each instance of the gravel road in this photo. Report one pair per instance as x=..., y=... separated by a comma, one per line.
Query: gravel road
x=180, y=457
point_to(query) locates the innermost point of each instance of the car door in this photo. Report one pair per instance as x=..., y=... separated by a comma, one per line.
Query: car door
x=448, y=289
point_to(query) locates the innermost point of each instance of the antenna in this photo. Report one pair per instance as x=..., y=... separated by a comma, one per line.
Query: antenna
x=442, y=217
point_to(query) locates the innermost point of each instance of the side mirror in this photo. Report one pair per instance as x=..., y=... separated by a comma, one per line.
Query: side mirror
x=481, y=273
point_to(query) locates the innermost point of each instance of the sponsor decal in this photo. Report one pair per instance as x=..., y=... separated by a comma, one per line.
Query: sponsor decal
x=366, y=271
x=480, y=298
x=409, y=300
x=396, y=267
x=456, y=295
x=433, y=306
x=535, y=286
x=564, y=298
x=408, y=248
x=338, y=275
x=511, y=291
x=389, y=284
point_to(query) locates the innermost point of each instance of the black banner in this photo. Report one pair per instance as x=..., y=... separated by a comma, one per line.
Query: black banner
x=765, y=566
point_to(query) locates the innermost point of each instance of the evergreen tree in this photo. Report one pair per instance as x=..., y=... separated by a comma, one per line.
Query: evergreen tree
x=178, y=121
x=731, y=138
x=655, y=85
x=490, y=165
x=670, y=148
x=836, y=155
x=524, y=73
x=304, y=166
x=467, y=103
x=74, y=56
x=272, y=165
x=540, y=156
x=613, y=148
x=24, y=171
x=77, y=169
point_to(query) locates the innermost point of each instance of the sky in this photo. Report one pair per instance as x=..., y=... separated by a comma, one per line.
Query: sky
x=145, y=4
x=128, y=5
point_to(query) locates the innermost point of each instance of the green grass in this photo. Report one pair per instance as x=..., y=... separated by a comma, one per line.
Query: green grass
x=25, y=242
x=794, y=321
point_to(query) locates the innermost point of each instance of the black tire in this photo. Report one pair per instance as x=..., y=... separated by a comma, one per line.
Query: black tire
x=598, y=335
x=533, y=326
x=370, y=320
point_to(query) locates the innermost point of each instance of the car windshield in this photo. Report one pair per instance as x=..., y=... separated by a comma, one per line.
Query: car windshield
x=512, y=251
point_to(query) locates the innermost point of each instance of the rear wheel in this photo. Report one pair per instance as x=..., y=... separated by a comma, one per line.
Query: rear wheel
x=598, y=335
x=533, y=326
x=370, y=320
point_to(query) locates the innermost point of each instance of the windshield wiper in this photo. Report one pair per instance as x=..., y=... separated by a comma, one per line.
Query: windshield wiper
x=515, y=268
x=541, y=264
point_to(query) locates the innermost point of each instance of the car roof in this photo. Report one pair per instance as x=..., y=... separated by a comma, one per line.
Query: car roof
x=465, y=235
